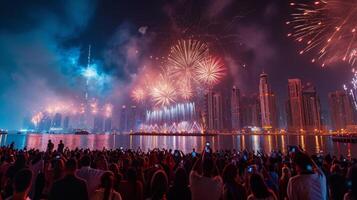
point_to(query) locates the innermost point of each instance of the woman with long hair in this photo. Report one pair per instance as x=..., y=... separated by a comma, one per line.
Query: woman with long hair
x=106, y=190
x=131, y=188
x=158, y=186
x=259, y=189
x=180, y=189
x=232, y=189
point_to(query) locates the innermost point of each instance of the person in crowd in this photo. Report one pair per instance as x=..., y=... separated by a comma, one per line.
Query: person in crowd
x=138, y=174
x=232, y=189
x=90, y=175
x=204, y=180
x=337, y=188
x=19, y=164
x=60, y=147
x=50, y=146
x=132, y=188
x=351, y=183
x=22, y=184
x=180, y=189
x=70, y=187
x=106, y=190
x=117, y=176
x=310, y=181
x=158, y=186
x=283, y=183
x=259, y=189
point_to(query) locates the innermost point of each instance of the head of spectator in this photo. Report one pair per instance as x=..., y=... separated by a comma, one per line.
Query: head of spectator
x=22, y=184
x=180, y=179
x=107, y=182
x=207, y=166
x=101, y=163
x=132, y=175
x=229, y=174
x=85, y=161
x=58, y=169
x=303, y=163
x=258, y=187
x=20, y=161
x=71, y=166
x=285, y=173
x=158, y=185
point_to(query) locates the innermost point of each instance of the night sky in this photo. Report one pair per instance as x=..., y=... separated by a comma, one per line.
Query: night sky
x=43, y=46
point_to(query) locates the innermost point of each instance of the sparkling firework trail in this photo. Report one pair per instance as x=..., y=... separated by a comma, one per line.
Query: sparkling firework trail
x=352, y=90
x=210, y=71
x=327, y=27
x=184, y=58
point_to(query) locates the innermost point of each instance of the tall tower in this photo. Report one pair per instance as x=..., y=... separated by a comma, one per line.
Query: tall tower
x=217, y=111
x=235, y=109
x=295, y=106
x=267, y=103
x=341, y=109
x=311, y=108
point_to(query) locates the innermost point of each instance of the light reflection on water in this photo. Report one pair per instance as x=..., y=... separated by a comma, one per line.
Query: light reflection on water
x=313, y=144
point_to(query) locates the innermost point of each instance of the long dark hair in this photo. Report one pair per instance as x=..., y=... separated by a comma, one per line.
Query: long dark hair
x=258, y=186
x=158, y=185
x=180, y=180
x=132, y=178
x=229, y=174
x=106, y=182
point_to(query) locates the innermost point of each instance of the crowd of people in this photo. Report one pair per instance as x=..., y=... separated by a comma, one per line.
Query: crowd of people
x=159, y=174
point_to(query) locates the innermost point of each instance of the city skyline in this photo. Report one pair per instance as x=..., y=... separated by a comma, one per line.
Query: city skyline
x=46, y=64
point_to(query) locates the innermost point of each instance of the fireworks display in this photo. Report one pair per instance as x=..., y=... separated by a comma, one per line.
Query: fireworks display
x=184, y=58
x=351, y=88
x=189, y=68
x=210, y=71
x=326, y=27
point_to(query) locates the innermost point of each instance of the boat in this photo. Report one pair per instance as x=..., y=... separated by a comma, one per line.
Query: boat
x=3, y=131
x=81, y=132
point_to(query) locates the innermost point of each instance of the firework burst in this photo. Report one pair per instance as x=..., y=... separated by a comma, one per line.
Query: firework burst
x=210, y=71
x=185, y=90
x=138, y=95
x=327, y=27
x=184, y=58
x=163, y=92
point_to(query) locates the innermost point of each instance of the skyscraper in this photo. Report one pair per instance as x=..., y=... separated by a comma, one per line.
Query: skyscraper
x=209, y=107
x=123, y=119
x=217, y=111
x=132, y=118
x=66, y=123
x=108, y=124
x=311, y=108
x=213, y=111
x=267, y=104
x=57, y=120
x=295, y=106
x=341, y=108
x=235, y=109
x=98, y=124
x=250, y=111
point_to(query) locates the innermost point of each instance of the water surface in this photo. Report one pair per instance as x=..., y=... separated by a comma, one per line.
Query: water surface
x=311, y=143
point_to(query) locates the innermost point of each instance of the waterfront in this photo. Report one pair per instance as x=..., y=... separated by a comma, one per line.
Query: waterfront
x=313, y=144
